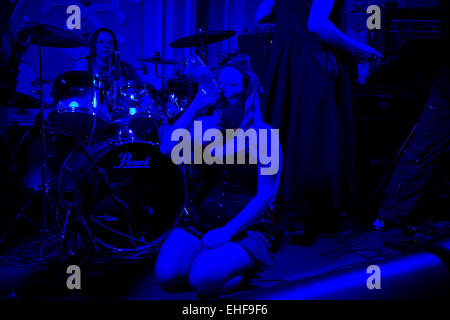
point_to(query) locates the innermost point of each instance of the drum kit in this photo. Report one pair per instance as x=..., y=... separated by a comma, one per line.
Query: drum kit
x=100, y=162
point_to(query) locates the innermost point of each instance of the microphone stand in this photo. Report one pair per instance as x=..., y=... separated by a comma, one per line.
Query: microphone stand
x=124, y=133
x=43, y=146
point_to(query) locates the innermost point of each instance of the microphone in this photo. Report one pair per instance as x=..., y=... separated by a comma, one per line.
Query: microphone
x=116, y=67
x=116, y=54
x=144, y=68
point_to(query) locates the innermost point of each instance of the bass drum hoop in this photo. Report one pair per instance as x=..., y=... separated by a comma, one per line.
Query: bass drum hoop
x=96, y=155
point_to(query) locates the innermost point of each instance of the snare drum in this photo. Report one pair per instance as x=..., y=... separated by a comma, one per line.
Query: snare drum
x=77, y=110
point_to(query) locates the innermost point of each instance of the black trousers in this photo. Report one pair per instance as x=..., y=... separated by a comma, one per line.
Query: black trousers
x=417, y=163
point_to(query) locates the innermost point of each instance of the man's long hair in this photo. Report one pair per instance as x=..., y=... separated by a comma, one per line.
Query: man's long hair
x=93, y=47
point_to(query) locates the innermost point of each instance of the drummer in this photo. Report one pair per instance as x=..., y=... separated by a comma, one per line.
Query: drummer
x=103, y=47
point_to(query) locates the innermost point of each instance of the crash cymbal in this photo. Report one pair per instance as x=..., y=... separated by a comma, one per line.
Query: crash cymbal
x=24, y=101
x=202, y=38
x=49, y=36
x=157, y=60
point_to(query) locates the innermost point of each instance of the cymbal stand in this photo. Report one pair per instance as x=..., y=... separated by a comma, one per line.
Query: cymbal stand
x=44, y=188
x=202, y=49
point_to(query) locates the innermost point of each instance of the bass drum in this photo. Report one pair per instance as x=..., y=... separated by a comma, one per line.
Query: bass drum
x=27, y=158
x=129, y=195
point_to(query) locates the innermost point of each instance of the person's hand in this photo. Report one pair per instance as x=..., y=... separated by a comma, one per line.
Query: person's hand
x=363, y=53
x=202, y=102
x=215, y=238
x=264, y=10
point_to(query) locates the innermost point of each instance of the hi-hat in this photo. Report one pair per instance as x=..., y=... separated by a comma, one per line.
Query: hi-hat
x=24, y=101
x=202, y=38
x=157, y=60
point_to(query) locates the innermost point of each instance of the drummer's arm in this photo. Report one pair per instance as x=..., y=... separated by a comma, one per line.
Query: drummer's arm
x=130, y=73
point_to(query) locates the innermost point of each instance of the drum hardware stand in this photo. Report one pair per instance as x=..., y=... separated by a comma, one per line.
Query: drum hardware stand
x=69, y=208
x=43, y=145
x=202, y=49
x=22, y=215
x=97, y=85
x=44, y=188
x=101, y=172
x=65, y=227
x=66, y=222
x=69, y=213
x=124, y=133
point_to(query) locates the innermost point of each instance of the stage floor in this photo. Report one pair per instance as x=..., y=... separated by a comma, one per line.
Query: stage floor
x=118, y=279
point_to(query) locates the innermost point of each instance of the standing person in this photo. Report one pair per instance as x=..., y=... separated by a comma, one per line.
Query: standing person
x=307, y=97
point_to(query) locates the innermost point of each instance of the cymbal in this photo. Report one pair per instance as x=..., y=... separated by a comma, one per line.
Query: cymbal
x=24, y=101
x=202, y=38
x=157, y=60
x=49, y=36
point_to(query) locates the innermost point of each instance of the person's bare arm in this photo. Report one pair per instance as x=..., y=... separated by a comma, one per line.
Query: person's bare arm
x=264, y=9
x=326, y=31
x=265, y=196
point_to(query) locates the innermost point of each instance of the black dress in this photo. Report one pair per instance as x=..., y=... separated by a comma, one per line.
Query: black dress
x=307, y=96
